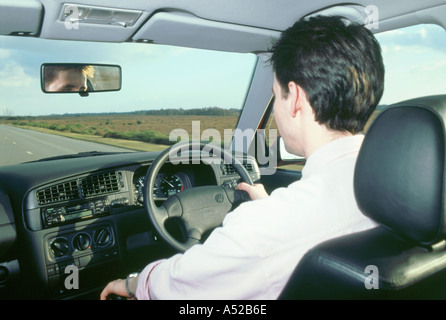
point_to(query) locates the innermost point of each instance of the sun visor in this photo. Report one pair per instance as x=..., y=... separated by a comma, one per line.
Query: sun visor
x=20, y=17
x=190, y=31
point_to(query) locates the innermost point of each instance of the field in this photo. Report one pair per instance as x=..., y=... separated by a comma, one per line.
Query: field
x=132, y=131
x=138, y=132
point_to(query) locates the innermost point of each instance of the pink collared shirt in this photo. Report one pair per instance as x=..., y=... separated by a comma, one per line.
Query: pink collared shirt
x=259, y=244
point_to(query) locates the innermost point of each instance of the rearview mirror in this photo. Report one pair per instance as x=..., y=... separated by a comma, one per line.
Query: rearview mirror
x=80, y=78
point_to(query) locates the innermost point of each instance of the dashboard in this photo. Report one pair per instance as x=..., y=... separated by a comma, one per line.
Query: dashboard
x=89, y=214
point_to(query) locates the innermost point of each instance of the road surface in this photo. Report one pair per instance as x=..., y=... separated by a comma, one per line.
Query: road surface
x=20, y=145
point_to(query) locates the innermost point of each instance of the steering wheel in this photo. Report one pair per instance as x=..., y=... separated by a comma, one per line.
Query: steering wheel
x=199, y=209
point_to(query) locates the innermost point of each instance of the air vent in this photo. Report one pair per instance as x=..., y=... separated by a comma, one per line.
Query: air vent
x=228, y=169
x=61, y=192
x=101, y=183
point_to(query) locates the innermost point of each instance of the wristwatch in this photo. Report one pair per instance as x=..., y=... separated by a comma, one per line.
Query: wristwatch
x=130, y=285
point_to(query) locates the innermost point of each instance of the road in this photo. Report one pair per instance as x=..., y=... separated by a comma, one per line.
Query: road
x=20, y=145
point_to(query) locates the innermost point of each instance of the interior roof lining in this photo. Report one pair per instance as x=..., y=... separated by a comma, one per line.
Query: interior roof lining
x=230, y=12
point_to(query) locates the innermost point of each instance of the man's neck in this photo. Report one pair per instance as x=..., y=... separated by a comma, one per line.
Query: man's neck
x=322, y=137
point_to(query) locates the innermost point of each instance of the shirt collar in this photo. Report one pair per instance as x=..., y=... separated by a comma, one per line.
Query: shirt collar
x=342, y=147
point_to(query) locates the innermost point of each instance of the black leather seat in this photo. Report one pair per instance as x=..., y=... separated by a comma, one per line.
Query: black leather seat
x=400, y=183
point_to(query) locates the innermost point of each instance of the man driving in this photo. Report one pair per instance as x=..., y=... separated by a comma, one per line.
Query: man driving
x=328, y=79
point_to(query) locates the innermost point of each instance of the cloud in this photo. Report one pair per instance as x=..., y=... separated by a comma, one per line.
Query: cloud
x=4, y=54
x=13, y=75
x=427, y=36
x=415, y=63
x=436, y=66
x=423, y=33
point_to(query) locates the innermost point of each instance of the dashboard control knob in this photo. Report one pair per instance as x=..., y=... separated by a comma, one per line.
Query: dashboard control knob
x=81, y=241
x=102, y=237
x=59, y=247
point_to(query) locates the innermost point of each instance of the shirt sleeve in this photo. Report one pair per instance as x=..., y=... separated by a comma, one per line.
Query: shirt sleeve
x=252, y=255
x=204, y=271
x=261, y=242
x=142, y=289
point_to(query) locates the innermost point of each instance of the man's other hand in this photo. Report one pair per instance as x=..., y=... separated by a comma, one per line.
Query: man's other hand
x=257, y=191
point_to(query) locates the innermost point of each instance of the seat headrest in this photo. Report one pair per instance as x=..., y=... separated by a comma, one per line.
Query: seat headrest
x=400, y=171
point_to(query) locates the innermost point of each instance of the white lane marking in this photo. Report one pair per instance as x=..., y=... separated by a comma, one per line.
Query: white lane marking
x=29, y=152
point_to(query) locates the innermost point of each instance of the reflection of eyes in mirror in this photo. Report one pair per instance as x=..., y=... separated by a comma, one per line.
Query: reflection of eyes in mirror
x=80, y=78
x=65, y=78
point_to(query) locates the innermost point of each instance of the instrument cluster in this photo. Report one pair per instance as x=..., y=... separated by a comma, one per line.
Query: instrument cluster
x=166, y=184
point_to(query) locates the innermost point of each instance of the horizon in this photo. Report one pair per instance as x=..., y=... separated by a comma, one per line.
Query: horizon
x=160, y=77
x=190, y=112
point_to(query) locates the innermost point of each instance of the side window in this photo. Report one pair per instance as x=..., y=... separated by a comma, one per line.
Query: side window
x=271, y=124
x=415, y=66
x=415, y=62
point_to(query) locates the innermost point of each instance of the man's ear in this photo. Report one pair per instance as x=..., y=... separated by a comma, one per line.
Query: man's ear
x=294, y=92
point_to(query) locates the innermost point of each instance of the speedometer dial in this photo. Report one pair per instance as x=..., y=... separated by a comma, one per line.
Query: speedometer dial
x=171, y=185
x=164, y=186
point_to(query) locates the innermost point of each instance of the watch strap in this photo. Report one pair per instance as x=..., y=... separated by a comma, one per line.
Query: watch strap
x=130, y=287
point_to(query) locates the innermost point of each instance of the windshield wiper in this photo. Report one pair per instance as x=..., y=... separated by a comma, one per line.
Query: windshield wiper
x=77, y=155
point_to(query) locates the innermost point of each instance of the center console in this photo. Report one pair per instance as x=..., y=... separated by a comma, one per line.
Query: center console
x=83, y=249
x=73, y=222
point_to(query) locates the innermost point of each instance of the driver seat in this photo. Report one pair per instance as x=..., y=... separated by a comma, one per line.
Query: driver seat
x=399, y=183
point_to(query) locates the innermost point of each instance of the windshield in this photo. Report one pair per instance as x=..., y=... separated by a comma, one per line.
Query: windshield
x=164, y=88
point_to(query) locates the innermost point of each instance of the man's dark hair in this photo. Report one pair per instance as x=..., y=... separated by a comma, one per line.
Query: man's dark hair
x=338, y=65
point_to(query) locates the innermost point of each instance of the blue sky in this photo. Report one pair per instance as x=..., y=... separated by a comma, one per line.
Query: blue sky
x=168, y=77
x=415, y=62
x=153, y=77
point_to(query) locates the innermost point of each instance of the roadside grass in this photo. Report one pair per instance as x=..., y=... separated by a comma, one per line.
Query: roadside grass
x=135, y=132
x=122, y=143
